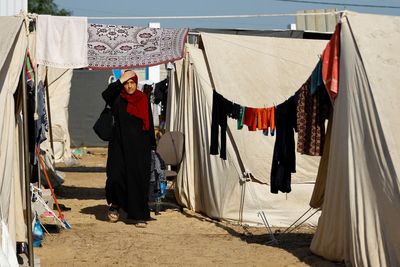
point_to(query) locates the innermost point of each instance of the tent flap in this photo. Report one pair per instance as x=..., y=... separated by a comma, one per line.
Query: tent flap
x=361, y=210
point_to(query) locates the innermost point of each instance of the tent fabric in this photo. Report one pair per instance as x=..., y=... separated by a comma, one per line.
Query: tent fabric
x=208, y=184
x=317, y=197
x=12, y=52
x=7, y=249
x=59, y=81
x=361, y=209
x=261, y=72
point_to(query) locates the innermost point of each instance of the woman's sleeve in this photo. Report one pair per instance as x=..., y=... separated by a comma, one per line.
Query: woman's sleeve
x=112, y=91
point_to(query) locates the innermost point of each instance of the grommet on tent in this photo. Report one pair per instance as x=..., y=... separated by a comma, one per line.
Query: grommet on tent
x=246, y=177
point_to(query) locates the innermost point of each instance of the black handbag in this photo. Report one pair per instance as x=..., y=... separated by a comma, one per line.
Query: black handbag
x=104, y=124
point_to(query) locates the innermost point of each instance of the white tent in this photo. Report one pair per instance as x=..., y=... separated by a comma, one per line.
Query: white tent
x=59, y=81
x=252, y=71
x=12, y=52
x=13, y=47
x=361, y=210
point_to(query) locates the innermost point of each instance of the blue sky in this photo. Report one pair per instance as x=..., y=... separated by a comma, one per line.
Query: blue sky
x=109, y=8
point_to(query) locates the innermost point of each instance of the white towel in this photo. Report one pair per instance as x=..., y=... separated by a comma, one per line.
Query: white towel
x=61, y=42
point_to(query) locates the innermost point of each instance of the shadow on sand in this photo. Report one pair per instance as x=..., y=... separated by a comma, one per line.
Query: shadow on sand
x=99, y=211
x=81, y=169
x=81, y=193
x=295, y=243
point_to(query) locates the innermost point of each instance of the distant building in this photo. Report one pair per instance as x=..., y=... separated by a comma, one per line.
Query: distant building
x=317, y=23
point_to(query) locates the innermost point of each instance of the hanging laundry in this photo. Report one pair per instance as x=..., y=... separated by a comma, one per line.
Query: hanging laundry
x=221, y=108
x=250, y=118
x=316, y=78
x=266, y=120
x=119, y=47
x=30, y=73
x=241, y=117
x=61, y=42
x=312, y=111
x=284, y=158
x=41, y=125
x=330, y=64
x=161, y=95
x=235, y=112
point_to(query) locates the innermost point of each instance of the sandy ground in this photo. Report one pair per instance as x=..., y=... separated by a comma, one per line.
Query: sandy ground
x=174, y=239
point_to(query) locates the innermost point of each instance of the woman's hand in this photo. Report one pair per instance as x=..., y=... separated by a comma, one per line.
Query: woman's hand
x=126, y=76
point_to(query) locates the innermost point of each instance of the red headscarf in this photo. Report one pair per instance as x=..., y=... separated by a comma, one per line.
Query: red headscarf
x=138, y=105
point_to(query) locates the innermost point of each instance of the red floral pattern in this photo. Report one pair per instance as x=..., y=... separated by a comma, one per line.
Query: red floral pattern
x=115, y=46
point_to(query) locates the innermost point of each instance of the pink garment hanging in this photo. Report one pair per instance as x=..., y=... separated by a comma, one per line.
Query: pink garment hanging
x=330, y=64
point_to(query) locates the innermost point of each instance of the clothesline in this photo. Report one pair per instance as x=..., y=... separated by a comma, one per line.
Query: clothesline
x=223, y=16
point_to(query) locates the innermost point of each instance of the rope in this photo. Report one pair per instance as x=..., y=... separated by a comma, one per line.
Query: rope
x=223, y=16
x=297, y=226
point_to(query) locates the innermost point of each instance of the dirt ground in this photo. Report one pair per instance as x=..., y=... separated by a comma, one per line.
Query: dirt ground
x=174, y=239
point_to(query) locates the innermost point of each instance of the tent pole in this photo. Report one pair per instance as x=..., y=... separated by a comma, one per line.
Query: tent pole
x=46, y=85
x=27, y=167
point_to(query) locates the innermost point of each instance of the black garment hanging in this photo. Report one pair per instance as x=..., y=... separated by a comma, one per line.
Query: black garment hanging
x=235, y=111
x=284, y=157
x=161, y=95
x=221, y=109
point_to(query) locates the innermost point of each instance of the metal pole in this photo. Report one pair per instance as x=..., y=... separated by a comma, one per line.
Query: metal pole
x=27, y=168
x=46, y=85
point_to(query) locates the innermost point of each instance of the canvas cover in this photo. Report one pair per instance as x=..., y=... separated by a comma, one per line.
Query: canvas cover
x=59, y=81
x=252, y=71
x=361, y=209
x=12, y=51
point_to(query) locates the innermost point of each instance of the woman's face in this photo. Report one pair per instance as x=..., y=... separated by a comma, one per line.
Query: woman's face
x=130, y=86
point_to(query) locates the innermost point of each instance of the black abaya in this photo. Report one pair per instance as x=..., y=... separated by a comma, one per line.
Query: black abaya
x=129, y=159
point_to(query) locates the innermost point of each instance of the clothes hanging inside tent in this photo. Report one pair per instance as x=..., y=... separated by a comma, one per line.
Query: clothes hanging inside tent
x=37, y=128
x=284, y=158
x=42, y=124
x=161, y=95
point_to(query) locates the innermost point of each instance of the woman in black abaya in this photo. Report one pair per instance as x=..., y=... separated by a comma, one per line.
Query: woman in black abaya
x=129, y=151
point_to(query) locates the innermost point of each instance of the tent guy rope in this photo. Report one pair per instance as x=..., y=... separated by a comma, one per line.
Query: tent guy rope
x=224, y=16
